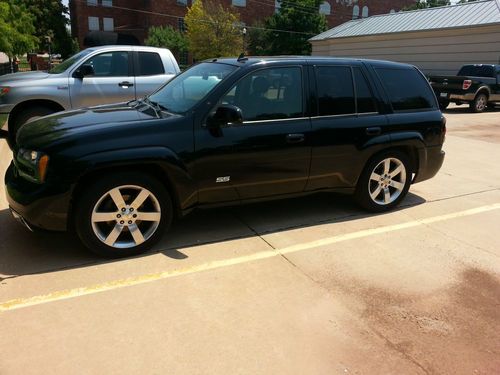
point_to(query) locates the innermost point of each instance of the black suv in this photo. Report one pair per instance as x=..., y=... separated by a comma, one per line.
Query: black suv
x=223, y=132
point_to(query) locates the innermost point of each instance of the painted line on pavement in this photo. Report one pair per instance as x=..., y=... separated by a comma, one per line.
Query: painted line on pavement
x=122, y=283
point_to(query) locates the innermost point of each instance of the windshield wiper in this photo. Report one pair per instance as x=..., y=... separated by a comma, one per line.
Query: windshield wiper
x=161, y=107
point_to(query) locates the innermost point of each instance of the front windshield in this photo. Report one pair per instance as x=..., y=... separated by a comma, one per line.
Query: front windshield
x=181, y=93
x=68, y=62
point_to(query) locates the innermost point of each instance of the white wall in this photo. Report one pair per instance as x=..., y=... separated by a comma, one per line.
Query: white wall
x=434, y=52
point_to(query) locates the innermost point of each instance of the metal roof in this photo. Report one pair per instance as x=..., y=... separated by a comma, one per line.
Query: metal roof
x=478, y=13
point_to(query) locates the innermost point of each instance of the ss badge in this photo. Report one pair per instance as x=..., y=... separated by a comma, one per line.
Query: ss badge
x=223, y=179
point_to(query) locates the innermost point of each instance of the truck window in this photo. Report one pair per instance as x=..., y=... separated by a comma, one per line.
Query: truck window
x=407, y=89
x=150, y=64
x=110, y=64
x=364, y=97
x=335, y=90
x=477, y=71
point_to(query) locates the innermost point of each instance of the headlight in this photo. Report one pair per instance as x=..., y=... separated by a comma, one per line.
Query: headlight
x=34, y=164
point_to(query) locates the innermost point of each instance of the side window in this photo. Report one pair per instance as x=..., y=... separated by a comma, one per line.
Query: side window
x=110, y=64
x=150, y=64
x=407, y=89
x=364, y=96
x=268, y=94
x=335, y=90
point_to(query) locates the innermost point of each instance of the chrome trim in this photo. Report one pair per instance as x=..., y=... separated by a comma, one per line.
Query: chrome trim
x=274, y=120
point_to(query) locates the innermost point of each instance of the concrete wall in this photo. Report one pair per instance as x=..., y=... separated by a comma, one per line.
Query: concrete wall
x=434, y=52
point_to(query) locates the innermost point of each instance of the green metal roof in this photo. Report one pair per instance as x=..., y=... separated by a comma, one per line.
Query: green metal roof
x=478, y=13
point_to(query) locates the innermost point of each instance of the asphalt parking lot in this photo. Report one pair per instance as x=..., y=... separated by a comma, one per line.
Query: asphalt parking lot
x=304, y=286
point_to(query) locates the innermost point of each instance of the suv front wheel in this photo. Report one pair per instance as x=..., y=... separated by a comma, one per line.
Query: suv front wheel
x=384, y=182
x=123, y=214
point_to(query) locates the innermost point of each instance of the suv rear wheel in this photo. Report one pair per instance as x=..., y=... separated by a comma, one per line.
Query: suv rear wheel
x=123, y=214
x=384, y=182
x=479, y=104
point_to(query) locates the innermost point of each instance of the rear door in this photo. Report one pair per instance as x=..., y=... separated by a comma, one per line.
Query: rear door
x=112, y=81
x=347, y=118
x=151, y=72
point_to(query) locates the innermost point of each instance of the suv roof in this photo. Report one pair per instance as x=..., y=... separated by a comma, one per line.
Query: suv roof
x=250, y=60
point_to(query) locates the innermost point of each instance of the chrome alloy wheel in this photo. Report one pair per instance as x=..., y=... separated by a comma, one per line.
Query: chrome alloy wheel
x=481, y=103
x=126, y=216
x=387, y=181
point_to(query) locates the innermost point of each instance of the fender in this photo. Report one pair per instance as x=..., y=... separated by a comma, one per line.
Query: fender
x=483, y=88
x=172, y=167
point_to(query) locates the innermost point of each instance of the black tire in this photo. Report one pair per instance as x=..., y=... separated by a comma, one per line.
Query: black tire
x=479, y=103
x=366, y=185
x=23, y=117
x=444, y=105
x=97, y=192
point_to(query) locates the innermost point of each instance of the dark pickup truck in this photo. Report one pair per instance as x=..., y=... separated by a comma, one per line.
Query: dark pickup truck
x=478, y=85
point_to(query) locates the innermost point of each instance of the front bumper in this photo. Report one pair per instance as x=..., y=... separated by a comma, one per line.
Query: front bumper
x=42, y=206
x=430, y=161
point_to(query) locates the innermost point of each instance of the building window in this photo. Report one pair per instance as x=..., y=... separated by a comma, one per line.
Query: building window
x=108, y=24
x=277, y=6
x=239, y=3
x=92, y=3
x=182, y=2
x=325, y=8
x=365, y=12
x=355, y=12
x=94, y=24
x=107, y=3
x=180, y=24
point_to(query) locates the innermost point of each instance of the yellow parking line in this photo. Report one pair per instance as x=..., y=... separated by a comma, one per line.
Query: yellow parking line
x=115, y=284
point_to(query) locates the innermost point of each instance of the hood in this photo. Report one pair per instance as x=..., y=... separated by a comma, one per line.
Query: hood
x=23, y=76
x=95, y=119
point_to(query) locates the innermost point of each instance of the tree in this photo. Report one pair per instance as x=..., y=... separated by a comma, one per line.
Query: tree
x=16, y=29
x=167, y=37
x=213, y=31
x=289, y=29
x=50, y=20
x=424, y=4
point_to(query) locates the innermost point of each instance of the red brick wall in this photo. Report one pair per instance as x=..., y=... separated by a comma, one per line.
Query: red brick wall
x=136, y=16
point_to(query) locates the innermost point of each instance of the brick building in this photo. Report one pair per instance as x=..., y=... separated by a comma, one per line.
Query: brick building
x=135, y=17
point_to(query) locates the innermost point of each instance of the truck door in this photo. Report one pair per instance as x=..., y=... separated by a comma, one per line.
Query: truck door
x=112, y=81
x=151, y=72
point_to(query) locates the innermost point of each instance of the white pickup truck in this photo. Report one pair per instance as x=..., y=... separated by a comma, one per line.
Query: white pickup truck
x=94, y=76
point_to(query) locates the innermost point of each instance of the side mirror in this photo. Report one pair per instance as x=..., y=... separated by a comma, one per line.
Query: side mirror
x=83, y=71
x=223, y=115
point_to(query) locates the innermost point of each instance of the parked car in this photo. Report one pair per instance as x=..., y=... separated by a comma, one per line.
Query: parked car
x=94, y=76
x=224, y=132
x=478, y=85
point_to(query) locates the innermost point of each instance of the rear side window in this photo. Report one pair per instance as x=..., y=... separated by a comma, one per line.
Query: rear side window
x=477, y=71
x=150, y=64
x=364, y=96
x=335, y=90
x=407, y=89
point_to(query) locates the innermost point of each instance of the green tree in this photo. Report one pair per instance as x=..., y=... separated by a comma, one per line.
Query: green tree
x=213, y=31
x=289, y=29
x=167, y=37
x=424, y=4
x=16, y=29
x=50, y=20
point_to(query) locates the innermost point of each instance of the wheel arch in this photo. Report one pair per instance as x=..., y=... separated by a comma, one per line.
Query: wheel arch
x=57, y=107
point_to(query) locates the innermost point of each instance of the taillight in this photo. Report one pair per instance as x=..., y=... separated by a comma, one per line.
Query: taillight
x=467, y=83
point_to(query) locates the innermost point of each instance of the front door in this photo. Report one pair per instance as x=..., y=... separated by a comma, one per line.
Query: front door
x=269, y=153
x=112, y=81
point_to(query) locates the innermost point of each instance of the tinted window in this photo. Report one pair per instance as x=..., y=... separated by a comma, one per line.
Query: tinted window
x=364, y=96
x=150, y=64
x=407, y=89
x=268, y=94
x=335, y=90
x=477, y=71
x=110, y=64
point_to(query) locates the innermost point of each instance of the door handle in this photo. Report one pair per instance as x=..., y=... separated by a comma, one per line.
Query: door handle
x=373, y=131
x=295, y=138
x=125, y=84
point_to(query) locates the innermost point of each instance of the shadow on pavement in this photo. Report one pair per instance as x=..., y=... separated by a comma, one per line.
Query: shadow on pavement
x=464, y=108
x=23, y=252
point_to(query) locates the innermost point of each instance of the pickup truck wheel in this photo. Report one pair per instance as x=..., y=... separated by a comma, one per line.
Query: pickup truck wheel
x=479, y=104
x=123, y=214
x=384, y=182
x=444, y=105
x=23, y=117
